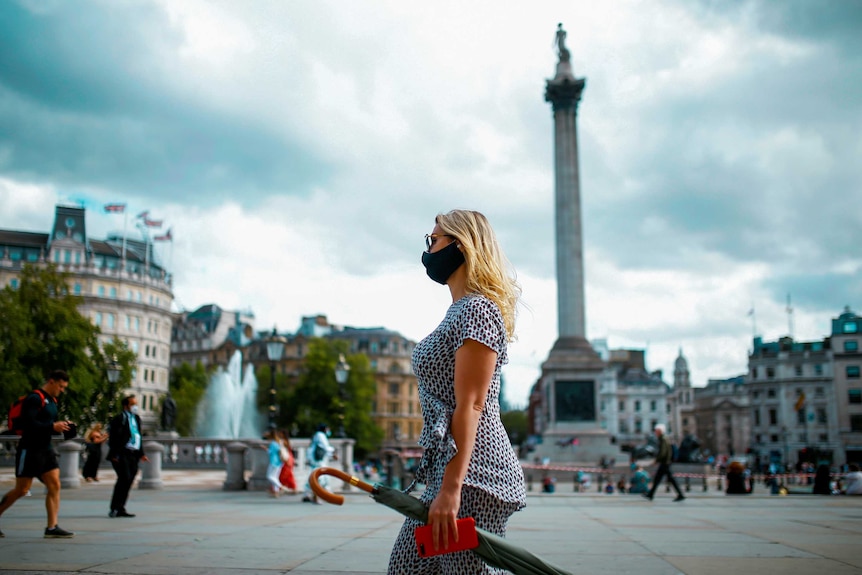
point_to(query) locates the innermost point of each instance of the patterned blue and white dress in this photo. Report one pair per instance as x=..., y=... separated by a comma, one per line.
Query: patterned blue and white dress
x=494, y=483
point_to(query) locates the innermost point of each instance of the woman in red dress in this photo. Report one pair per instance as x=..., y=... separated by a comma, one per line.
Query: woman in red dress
x=287, y=479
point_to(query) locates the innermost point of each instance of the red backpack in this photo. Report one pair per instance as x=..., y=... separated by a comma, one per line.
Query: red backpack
x=16, y=409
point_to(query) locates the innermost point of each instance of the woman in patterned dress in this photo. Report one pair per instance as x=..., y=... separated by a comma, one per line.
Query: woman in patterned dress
x=469, y=468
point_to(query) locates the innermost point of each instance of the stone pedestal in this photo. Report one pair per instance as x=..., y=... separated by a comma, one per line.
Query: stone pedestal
x=235, y=480
x=260, y=462
x=151, y=471
x=70, y=462
x=570, y=384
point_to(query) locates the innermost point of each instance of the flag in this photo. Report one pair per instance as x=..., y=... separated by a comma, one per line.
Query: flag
x=800, y=402
x=143, y=214
x=165, y=238
x=115, y=208
x=152, y=223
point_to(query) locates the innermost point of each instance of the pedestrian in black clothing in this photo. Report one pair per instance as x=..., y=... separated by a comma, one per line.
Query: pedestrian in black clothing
x=124, y=453
x=663, y=458
x=35, y=457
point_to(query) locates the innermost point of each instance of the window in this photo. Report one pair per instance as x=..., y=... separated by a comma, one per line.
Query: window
x=652, y=405
x=684, y=421
x=393, y=407
x=394, y=389
x=773, y=417
x=770, y=372
x=637, y=405
x=756, y=417
x=128, y=322
x=755, y=394
x=639, y=427
x=851, y=345
x=77, y=289
x=850, y=327
x=622, y=406
x=800, y=416
x=824, y=437
x=14, y=283
x=770, y=392
x=852, y=372
x=129, y=295
x=101, y=291
x=113, y=293
x=137, y=324
x=773, y=438
x=67, y=257
x=818, y=369
x=821, y=415
x=77, y=257
x=98, y=320
x=856, y=423
x=854, y=395
x=110, y=318
x=797, y=370
x=624, y=426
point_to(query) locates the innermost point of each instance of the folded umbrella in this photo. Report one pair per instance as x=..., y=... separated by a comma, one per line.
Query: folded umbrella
x=492, y=549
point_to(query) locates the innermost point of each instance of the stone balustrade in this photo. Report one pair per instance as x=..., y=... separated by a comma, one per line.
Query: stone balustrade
x=236, y=457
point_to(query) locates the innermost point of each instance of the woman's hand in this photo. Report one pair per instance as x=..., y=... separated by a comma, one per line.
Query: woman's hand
x=442, y=515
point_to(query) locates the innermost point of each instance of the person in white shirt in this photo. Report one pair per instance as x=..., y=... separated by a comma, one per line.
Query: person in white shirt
x=318, y=454
x=853, y=481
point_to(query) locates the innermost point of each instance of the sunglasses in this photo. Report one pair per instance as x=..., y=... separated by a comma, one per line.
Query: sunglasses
x=431, y=239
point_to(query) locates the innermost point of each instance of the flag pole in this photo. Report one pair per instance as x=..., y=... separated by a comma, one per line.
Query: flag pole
x=125, y=227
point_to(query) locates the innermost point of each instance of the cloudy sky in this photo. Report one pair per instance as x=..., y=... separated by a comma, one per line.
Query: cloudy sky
x=300, y=151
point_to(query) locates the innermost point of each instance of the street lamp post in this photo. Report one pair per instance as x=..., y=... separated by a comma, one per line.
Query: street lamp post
x=274, y=351
x=113, y=372
x=342, y=370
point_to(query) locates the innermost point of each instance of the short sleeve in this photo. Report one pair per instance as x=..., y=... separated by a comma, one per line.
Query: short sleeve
x=480, y=320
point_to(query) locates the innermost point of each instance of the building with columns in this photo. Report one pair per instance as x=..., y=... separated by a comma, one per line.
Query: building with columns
x=124, y=290
x=722, y=416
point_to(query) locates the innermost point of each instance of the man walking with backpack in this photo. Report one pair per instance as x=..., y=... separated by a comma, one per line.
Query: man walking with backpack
x=35, y=457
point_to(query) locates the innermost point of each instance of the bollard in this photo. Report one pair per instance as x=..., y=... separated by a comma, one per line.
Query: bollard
x=151, y=471
x=235, y=480
x=718, y=483
x=705, y=488
x=260, y=462
x=529, y=482
x=70, y=459
x=576, y=485
x=687, y=483
x=599, y=482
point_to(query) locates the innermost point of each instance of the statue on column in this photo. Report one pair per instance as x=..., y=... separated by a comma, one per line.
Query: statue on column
x=169, y=413
x=560, y=43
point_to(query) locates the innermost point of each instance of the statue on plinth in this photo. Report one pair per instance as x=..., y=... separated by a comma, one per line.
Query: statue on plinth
x=169, y=413
x=560, y=43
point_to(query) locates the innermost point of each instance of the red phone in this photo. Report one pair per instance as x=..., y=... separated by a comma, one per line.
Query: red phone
x=467, y=539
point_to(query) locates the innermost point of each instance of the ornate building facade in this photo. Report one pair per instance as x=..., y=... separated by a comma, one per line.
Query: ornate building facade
x=125, y=292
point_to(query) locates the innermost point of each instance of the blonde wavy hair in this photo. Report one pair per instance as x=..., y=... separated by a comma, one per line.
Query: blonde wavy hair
x=489, y=273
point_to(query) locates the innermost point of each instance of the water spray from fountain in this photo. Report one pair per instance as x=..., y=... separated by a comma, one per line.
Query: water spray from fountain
x=228, y=409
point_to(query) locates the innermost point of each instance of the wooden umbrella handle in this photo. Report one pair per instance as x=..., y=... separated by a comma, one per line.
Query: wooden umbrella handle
x=328, y=496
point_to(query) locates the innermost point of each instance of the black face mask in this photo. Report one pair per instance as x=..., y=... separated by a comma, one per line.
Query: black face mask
x=440, y=265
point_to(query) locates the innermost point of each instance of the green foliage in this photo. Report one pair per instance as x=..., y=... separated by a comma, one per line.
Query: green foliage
x=41, y=330
x=515, y=423
x=316, y=398
x=187, y=385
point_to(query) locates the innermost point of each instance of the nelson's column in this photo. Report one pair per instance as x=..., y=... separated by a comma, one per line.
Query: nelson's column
x=568, y=390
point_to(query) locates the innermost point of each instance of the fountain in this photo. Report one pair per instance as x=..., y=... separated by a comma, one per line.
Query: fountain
x=228, y=409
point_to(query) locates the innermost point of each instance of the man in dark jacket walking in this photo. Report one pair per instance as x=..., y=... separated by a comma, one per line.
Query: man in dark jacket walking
x=663, y=458
x=124, y=453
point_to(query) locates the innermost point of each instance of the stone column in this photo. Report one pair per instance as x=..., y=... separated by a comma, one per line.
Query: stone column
x=151, y=471
x=235, y=480
x=564, y=93
x=70, y=460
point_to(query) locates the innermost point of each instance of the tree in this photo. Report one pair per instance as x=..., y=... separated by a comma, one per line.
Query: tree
x=317, y=399
x=187, y=384
x=41, y=330
x=515, y=423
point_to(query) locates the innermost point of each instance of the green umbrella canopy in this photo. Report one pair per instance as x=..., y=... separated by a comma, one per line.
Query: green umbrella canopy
x=492, y=549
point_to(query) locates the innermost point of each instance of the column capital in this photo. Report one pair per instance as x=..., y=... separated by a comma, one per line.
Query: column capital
x=564, y=93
